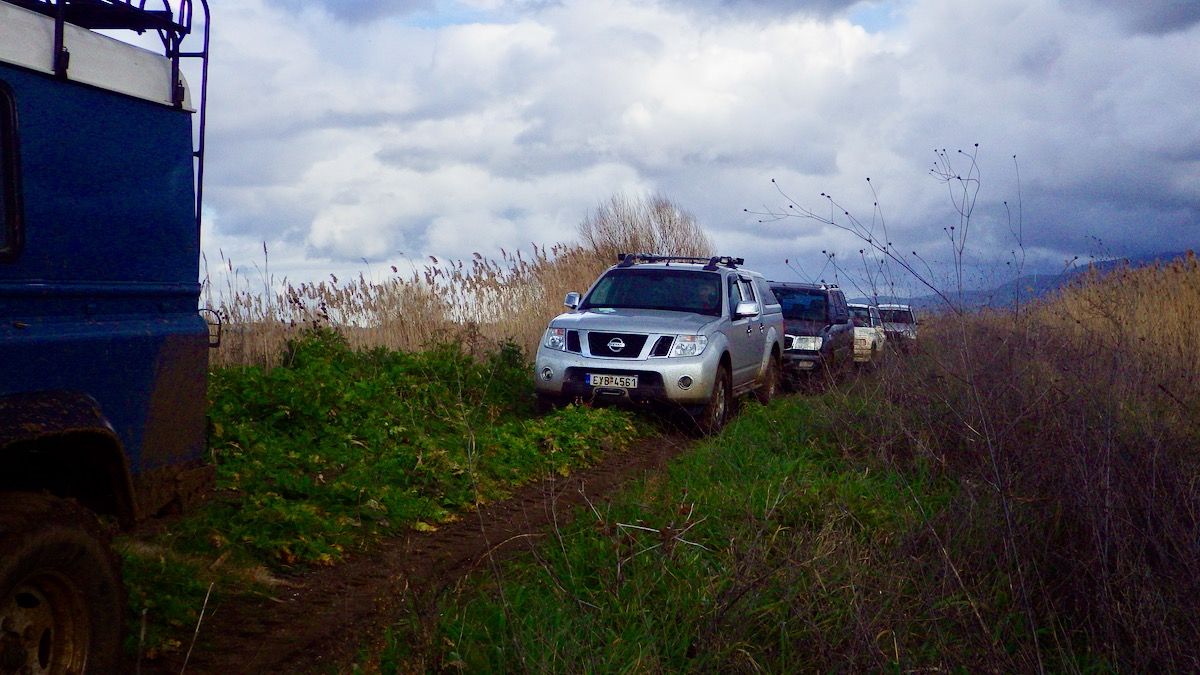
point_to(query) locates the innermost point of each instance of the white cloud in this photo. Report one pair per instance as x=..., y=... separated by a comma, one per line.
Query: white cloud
x=342, y=140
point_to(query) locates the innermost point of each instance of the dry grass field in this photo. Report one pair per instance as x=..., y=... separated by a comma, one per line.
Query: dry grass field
x=1071, y=427
x=483, y=301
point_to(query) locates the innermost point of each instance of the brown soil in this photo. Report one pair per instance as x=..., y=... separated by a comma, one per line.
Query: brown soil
x=325, y=618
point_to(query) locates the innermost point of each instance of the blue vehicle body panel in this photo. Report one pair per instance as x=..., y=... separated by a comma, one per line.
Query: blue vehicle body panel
x=101, y=298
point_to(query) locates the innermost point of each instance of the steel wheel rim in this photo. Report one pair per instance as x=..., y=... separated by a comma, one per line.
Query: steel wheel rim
x=44, y=626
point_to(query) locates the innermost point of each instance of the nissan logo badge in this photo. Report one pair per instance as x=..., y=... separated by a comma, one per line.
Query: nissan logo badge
x=616, y=345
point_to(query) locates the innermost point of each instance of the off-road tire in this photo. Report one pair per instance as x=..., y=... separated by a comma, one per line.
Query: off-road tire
x=770, y=382
x=62, y=604
x=544, y=404
x=715, y=414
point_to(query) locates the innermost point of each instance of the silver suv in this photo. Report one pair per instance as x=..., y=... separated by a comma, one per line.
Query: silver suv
x=694, y=332
x=900, y=325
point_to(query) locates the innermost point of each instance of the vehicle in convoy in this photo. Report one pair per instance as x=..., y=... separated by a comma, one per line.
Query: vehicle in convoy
x=869, y=337
x=103, y=354
x=899, y=324
x=692, y=332
x=819, y=337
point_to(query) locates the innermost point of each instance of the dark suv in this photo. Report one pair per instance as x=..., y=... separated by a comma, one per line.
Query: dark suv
x=819, y=337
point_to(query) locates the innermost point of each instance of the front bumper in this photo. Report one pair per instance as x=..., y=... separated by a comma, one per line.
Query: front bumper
x=862, y=350
x=562, y=374
x=799, y=363
x=902, y=340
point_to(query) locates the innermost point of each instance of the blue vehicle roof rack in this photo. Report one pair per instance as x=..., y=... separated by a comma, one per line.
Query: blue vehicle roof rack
x=171, y=19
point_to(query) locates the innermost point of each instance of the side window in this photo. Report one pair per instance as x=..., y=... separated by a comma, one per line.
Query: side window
x=10, y=194
x=735, y=296
x=765, y=294
x=838, y=310
x=747, y=289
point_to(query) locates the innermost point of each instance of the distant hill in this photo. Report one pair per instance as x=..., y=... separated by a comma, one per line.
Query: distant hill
x=1024, y=288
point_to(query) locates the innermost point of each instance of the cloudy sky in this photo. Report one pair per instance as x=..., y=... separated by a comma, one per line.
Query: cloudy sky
x=355, y=134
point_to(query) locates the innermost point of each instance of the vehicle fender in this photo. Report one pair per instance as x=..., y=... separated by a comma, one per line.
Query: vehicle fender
x=718, y=341
x=774, y=342
x=61, y=442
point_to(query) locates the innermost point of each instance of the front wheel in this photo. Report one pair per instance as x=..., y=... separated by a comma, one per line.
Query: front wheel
x=61, y=599
x=716, y=412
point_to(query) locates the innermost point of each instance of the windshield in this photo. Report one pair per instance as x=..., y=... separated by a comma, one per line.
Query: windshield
x=801, y=304
x=861, y=316
x=676, y=290
x=897, y=316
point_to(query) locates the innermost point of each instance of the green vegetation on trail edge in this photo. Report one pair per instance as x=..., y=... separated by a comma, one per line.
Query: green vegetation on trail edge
x=335, y=449
x=760, y=550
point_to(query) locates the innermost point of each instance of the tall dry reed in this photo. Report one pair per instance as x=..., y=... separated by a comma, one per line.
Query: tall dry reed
x=1071, y=427
x=484, y=300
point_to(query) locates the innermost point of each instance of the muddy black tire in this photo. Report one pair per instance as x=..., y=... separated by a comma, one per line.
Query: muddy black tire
x=544, y=404
x=715, y=414
x=62, y=605
x=770, y=384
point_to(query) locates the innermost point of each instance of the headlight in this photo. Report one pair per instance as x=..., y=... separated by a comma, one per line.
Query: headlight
x=556, y=338
x=688, y=345
x=810, y=343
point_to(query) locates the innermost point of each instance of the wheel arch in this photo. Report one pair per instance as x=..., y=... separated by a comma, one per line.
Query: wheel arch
x=61, y=443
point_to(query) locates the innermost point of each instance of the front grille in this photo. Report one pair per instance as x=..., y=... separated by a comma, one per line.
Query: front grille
x=629, y=345
x=663, y=346
x=573, y=341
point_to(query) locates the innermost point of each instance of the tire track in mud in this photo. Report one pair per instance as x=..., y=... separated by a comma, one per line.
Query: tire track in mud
x=321, y=620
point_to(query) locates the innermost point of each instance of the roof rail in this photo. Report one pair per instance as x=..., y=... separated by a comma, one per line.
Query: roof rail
x=114, y=14
x=172, y=19
x=710, y=263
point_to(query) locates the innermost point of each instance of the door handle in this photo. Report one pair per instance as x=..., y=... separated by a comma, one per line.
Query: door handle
x=748, y=330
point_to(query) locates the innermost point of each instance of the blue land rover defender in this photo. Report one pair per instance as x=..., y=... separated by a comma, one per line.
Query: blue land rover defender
x=103, y=355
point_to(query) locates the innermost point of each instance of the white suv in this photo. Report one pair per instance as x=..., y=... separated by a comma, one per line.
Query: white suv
x=869, y=336
x=899, y=324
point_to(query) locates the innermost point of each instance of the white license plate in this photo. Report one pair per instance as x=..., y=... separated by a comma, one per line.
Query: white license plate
x=805, y=365
x=623, y=381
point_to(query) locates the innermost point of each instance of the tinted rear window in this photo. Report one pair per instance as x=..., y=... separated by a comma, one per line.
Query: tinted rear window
x=801, y=304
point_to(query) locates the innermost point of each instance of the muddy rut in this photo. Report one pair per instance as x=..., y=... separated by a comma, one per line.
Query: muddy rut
x=321, y=620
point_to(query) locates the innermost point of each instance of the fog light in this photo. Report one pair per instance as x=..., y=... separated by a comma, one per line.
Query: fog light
x=685, y=382
x=547, y=374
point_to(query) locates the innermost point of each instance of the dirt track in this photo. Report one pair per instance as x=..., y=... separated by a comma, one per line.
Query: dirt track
x=324, y=620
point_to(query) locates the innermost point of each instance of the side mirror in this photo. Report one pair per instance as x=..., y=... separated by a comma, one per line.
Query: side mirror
x=745, y=309
x=571, y=301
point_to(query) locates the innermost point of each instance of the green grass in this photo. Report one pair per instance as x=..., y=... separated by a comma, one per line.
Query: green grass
x=764, y=548
x=336, y=449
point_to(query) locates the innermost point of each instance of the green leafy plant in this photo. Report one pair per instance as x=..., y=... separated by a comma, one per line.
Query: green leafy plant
x=336, y=448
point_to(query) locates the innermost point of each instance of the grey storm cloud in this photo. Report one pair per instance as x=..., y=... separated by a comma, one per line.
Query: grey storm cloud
x=1152, y=16
x=497, y=132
